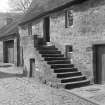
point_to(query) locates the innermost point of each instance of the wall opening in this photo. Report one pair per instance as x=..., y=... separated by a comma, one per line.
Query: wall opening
x=68, y=52
x=8, y=51
x=32, y=67
x=46, y=29
x=68, y=18
x=99, y=63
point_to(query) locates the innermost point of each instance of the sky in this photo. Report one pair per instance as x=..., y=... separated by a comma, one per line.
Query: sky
x=4, y=7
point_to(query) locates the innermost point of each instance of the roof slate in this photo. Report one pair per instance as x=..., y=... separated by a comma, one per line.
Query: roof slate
x=41, y=6
x=9, y=29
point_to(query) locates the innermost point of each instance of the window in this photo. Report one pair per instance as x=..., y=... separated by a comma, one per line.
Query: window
x=69, y=50
x=30, y=29
x=68, y=18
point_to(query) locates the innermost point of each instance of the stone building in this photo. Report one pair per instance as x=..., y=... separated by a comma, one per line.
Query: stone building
x=74, y=27
x=10, y=43
x=5, y=16
x=9, y=38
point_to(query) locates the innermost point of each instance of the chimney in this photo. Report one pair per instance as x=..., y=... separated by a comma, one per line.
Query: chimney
x=9, y=20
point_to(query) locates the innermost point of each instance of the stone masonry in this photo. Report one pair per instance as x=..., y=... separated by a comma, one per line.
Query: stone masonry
x=87, y=30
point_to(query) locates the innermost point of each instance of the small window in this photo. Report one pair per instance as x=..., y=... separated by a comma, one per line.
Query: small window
x=68, y=18
x=69, y=49
x=29, y=29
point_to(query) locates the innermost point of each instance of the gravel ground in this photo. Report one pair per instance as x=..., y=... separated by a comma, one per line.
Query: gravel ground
x=18, y=90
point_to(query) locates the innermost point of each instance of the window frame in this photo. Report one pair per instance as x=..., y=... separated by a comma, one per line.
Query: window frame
x=68, y=49
x=68, y=18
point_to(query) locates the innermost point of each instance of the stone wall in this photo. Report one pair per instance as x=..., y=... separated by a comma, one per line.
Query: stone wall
x=41, y=71
x=27, y=43
x=23, y=31
x=88, y=29
x=37, y=28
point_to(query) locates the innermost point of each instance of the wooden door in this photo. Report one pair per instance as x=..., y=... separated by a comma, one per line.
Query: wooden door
x=8, y=51
x=32, y=67
x=46, y=29
x=10, y=55
x=100, y=64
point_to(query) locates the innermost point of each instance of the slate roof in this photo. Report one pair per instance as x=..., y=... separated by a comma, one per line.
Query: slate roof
x=42, y=7
x=9, y=29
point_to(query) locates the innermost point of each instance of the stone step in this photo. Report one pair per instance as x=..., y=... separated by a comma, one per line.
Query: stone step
x=47, y=48
x=52, y=55
x=61, y=70
x=76, y=84
x=55, y=66
x=73, y=79
x=49, y=52
x=68, y=74
x=59, y=62
x=54, y=58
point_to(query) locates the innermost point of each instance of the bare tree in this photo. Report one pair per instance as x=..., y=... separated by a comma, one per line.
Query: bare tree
x=19, y=5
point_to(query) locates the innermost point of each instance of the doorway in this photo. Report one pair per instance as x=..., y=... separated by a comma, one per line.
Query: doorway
x=99, y=63
x=32, y=67
x=46, y=29
x=9, y=51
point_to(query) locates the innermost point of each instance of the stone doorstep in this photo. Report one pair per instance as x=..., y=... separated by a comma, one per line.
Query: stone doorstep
x=6, y=64
x=49, y=44
x=59, y=79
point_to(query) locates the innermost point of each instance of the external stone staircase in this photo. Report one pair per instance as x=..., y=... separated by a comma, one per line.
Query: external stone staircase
x=66, y=73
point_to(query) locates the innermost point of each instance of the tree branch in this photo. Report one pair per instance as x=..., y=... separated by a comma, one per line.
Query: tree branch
x=20, y=5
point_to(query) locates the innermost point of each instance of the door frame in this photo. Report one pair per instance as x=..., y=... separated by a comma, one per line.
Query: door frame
x=5, y=51
x=18, y=51
x=46, y=29
x=96, y=72
x=32, y=63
